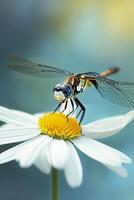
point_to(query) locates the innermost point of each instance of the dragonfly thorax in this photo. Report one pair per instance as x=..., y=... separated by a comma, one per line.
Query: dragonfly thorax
x=63, y=91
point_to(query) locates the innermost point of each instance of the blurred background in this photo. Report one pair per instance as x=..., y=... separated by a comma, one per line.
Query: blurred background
x=80, y=36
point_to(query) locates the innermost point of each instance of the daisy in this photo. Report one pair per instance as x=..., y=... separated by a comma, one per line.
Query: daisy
x=49, y=141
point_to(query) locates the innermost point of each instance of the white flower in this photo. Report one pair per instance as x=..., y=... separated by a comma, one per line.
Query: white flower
x=55, y=146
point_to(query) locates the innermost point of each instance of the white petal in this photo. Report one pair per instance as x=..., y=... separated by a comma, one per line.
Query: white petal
x=16, y=117
x=108, y=126
x=98, y=151
x=73, y=168
x=123, y=157
x=10, y=154
x=28, y=154
x=58, y=153
x=118, y=170
x=7, y=126
x=41, y=161
x=12, y=134
x=38, y=115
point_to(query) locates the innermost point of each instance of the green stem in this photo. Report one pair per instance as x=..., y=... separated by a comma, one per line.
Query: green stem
x=54, y=184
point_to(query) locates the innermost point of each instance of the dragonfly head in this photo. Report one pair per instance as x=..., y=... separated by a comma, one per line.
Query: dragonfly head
x=62, y=91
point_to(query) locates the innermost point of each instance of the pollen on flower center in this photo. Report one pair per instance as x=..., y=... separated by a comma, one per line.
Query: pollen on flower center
x=59, y=125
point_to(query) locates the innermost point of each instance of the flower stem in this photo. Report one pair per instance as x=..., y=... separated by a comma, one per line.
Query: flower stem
x=54, y=184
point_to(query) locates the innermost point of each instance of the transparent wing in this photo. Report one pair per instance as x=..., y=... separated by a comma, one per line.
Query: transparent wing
x=28, y=67
x=117, y=92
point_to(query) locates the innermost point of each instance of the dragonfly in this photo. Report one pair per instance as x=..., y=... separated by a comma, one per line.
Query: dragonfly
x=121, y=93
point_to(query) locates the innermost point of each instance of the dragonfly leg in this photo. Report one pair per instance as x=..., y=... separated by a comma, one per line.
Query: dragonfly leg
x=82, y=110
x=73, y=108
x=57, y=107
x=66, y=102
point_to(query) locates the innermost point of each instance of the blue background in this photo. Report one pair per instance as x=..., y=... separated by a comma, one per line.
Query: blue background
x=79, y=36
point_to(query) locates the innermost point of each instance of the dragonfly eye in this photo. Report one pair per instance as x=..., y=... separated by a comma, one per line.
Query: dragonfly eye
x=67, y=90
x=62, y=91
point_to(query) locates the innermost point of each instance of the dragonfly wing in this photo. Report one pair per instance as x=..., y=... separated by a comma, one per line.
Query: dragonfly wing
x=28, y=67
x=117, y=92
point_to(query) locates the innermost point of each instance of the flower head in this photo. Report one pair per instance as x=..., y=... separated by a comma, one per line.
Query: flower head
x=49, y=140
x=57, y=125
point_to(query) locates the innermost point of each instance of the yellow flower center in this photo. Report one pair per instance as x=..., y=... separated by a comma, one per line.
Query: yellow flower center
x=59, y=125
